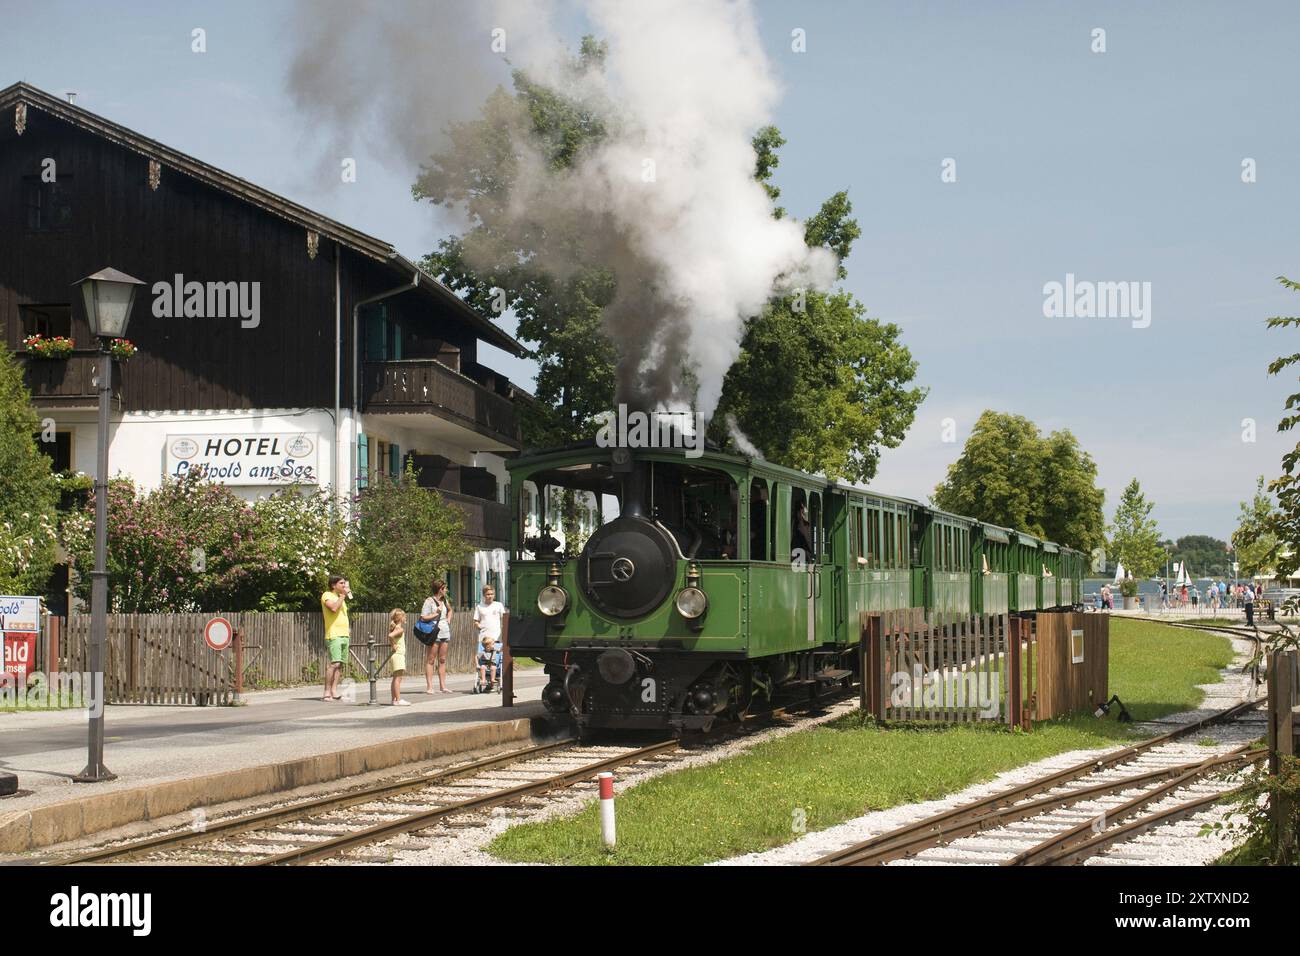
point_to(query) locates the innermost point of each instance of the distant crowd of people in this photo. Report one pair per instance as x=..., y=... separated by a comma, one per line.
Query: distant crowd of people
x=432, y=628
x=1220, y=594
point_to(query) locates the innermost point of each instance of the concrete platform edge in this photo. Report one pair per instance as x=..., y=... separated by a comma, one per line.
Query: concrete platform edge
x=31, y=829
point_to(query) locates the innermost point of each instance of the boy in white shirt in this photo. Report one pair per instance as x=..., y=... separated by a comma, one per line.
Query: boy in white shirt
x=488, y=618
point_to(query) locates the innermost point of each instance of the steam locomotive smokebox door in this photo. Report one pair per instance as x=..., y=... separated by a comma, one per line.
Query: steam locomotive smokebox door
x=627, y=568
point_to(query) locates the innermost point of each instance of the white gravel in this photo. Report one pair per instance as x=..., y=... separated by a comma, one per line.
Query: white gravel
x=1160, y=844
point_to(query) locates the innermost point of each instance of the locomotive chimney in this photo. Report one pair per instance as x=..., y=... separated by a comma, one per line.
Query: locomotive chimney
x=632, y=484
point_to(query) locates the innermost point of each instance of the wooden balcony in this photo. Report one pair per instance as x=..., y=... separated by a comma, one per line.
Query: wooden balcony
x=68, y=381
x=485, y=521
x=426, y=385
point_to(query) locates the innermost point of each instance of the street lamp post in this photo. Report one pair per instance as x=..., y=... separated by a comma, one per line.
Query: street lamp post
x=108, y=296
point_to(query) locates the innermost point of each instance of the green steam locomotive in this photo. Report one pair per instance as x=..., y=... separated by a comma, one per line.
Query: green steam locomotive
x=726, y=581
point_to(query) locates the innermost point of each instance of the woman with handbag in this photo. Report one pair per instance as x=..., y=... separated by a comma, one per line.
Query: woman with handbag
x=433, y=629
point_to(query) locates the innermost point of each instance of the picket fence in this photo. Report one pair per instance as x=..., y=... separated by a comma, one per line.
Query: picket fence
x=163, y=659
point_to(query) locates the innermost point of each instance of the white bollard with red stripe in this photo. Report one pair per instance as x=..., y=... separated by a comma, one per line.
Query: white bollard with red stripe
x=607, y=809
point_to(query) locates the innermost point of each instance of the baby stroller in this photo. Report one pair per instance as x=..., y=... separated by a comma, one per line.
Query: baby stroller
x=483, y=685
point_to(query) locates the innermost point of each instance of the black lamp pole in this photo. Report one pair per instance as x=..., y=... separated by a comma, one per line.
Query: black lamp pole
x=108, y=296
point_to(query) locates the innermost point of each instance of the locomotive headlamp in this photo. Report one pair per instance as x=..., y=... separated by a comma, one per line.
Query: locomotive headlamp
x=552, y=600
x=691, y=603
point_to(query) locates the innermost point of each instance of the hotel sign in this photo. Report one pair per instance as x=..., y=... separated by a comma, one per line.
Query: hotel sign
x=259, y=458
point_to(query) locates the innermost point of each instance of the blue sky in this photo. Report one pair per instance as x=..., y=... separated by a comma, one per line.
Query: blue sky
x=1123, y=165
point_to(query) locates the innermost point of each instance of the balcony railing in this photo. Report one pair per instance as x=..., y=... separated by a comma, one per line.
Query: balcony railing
x=65, y=381
x=426, y=385
x=485, y=520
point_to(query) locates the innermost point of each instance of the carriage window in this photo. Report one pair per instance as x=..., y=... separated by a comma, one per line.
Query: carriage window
x=818, y=535
x=773, y=506
x=852, y=523
x=859, y=535
x=801, y=528
x=900, y=553
x=758, y=506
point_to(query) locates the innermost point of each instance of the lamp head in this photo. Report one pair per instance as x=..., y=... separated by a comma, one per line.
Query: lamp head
x=108, y=296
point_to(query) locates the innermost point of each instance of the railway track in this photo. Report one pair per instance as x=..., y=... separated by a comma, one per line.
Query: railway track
x=1067, y=816
x=341, y=825
x=337, y=824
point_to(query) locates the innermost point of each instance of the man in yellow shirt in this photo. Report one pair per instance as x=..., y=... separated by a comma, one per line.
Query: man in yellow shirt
x=338, y=632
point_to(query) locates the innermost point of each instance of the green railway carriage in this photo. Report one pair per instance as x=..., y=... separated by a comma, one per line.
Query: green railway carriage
x=718, y=580
x=991, y=570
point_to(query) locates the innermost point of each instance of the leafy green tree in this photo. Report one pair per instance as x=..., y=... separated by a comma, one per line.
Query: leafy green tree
x=818, y=386
x=28, y=493
x=821, y=389
x=1256, y=542
x=1009, y=474
x=1202, y=554
x=1135, y=539
x=1283, y=523
x=402, y=538
x=504, y=263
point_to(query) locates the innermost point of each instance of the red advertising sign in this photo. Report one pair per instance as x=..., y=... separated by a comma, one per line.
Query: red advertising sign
x=20, y=622
x=20, y=654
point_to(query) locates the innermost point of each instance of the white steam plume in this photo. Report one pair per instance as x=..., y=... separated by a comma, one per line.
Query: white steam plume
x=667, y=199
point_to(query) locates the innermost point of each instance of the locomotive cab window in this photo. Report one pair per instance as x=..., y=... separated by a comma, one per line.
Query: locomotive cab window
x=561, y=508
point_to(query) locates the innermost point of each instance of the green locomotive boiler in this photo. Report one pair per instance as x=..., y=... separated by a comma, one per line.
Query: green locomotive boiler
x=715, y=582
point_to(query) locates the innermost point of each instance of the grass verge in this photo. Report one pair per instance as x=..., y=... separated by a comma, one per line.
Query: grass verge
x=825, y=775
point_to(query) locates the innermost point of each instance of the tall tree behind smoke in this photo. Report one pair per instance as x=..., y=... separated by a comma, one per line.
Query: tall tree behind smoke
x=656, y=195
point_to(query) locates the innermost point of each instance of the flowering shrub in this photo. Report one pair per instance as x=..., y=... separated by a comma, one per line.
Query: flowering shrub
x=24, y=545
x=188, y=545
x=28, y=494
x=191, y=545
x=301, y=538
x=50, y=347
x=122, y=349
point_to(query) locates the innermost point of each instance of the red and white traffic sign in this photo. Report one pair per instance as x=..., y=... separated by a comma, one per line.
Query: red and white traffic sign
x=218, y=633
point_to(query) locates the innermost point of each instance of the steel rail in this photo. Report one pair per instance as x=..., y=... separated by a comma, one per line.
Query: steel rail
x=938, y=826
x=1003, y=816
x=428, y=818
x=1061, y=848
x=305, y=809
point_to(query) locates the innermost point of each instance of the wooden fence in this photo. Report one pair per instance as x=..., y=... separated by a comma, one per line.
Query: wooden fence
x=1073, y=663
x=1283, y=731
x=946, y=671
x=163, y=659
x=998, y=668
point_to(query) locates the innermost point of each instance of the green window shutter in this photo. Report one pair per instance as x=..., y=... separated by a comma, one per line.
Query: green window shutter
x=394, y=460
x=376, y=334
x=363, y=461
x=396, y=352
